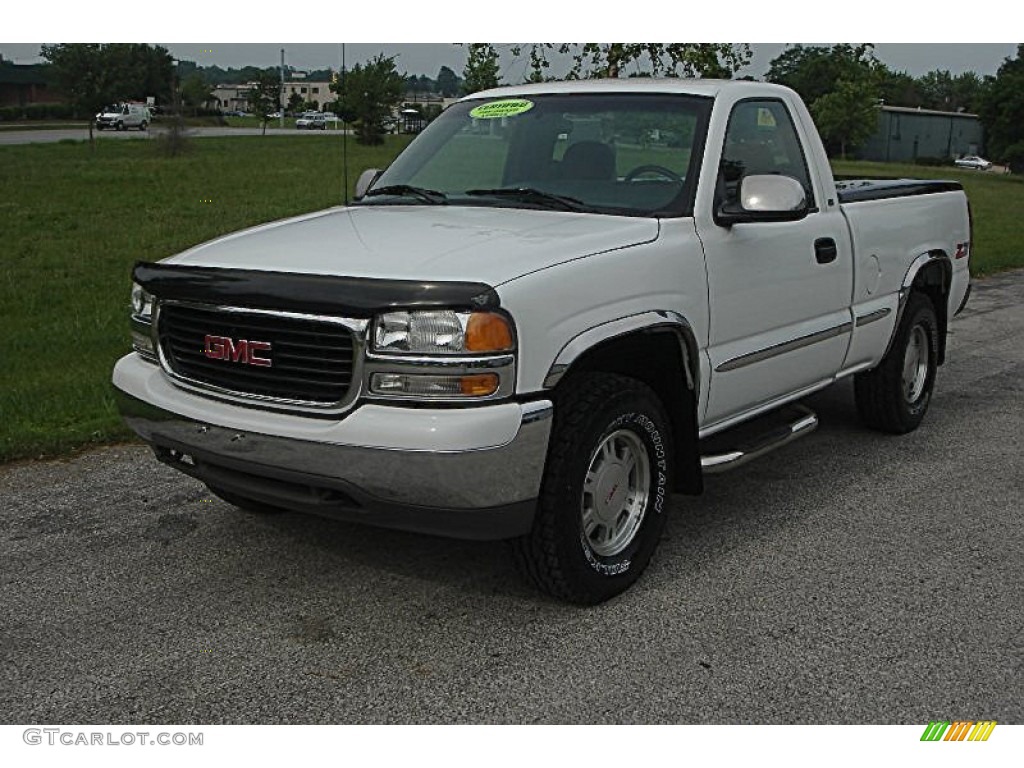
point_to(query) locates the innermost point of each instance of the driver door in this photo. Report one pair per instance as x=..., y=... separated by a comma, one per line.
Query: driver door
x=779, y=292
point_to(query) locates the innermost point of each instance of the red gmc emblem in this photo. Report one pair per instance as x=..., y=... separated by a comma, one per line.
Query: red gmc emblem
x=237, y=351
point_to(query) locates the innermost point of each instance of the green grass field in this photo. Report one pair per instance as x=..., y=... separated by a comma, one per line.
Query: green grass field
x=74, y=221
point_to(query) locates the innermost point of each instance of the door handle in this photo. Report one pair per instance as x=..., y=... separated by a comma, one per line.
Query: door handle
x=825, y=250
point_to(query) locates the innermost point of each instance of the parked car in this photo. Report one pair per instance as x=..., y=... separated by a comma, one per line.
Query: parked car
x=511, y=336
x=274, y=116
x=973, y=161
x=311, y=121
x=123, y=116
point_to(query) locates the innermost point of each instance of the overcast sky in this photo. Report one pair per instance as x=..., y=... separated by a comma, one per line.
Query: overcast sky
x=427, y=58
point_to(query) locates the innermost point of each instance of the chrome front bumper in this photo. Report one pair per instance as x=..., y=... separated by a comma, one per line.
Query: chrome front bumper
x=479, y=493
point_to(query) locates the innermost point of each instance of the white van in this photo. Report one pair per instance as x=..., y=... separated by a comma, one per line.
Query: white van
x=121, y=117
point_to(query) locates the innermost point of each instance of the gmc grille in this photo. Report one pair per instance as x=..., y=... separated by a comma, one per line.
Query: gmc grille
x=312, y=359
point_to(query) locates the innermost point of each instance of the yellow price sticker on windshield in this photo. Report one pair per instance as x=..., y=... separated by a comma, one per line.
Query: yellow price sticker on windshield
x=503, y=108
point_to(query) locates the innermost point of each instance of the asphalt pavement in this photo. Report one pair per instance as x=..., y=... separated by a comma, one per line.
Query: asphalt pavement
x=850, y=577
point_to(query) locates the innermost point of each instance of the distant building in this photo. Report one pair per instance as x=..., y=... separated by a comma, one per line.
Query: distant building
x=232, y=98
x=318, y=92
x=905, y=134
x=23, y=84
x=424, y=99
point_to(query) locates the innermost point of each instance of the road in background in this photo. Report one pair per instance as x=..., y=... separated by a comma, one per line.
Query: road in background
x=45, y=136
x=851, y=577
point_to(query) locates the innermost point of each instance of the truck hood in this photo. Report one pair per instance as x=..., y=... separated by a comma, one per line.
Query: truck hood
x=421, y=242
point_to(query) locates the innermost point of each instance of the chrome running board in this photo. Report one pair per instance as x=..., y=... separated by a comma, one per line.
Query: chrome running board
x=746, y=442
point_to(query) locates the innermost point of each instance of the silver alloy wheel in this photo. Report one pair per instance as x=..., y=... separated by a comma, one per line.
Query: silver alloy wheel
x=915, y=364
x=615, y=493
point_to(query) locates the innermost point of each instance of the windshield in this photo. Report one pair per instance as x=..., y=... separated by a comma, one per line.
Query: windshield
x=623, y=153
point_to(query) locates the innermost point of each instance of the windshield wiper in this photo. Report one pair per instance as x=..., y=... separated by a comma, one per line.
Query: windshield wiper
x=431, y=196
x=532, y=195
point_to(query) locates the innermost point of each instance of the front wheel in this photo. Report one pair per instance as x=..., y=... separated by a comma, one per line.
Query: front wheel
x=894, y=396
x=605, y=493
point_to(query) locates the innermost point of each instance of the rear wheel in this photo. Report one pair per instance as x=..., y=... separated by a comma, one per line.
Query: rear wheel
x=143, y=125
x=605, y=494
x=894, y=396
x=247, y=505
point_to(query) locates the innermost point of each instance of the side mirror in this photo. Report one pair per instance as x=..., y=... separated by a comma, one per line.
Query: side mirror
x=764, y=199
x=365, y=181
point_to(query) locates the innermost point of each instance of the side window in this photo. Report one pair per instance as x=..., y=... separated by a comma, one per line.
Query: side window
x=761, y=139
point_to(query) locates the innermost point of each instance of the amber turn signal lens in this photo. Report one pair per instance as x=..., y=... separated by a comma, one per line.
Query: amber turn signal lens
x=480, y=384
x=488, y=332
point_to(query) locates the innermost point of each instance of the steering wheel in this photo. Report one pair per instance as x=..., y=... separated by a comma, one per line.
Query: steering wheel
x=658, y=169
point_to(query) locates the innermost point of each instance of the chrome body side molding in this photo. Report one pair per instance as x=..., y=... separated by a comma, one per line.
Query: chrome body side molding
x=780, y=349
x=872, y=317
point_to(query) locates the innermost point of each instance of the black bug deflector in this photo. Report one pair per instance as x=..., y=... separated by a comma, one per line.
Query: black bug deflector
x=356, y=297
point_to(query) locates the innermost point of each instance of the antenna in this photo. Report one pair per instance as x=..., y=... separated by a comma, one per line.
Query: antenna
x=344, y=130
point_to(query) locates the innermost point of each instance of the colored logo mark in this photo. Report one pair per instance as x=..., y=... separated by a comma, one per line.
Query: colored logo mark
x=503, y=108
x=959, y=730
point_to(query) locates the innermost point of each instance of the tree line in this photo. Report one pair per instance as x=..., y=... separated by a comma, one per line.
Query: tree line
x=446, y=83
x=843, y=85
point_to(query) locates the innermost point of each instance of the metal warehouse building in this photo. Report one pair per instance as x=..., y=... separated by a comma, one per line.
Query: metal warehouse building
x=905, y=134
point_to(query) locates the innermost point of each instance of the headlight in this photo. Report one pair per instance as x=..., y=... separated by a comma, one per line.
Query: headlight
x=142, y=323
x=441, y=355
x=142, y=304
x=442, y=332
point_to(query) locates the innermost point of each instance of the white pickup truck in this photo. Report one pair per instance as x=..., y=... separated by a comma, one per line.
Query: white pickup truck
x=560, y=304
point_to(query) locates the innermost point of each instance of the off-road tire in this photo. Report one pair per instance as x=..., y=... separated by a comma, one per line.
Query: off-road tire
x=881, y=393
x=590, y=410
